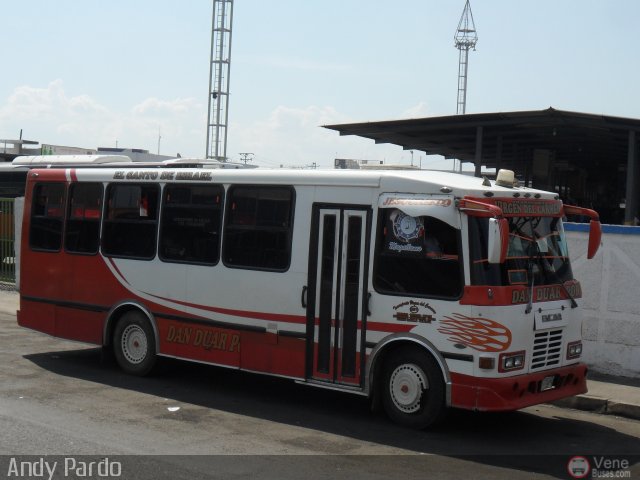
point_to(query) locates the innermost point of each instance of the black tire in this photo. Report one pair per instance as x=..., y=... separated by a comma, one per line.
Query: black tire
x=413, y=391
x=134, y=344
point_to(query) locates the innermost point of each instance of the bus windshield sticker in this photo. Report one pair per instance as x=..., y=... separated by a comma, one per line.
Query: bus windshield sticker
x=406, y=227
x=388, y=201
x=418, y=205
x=404, y=233
x=529, y=207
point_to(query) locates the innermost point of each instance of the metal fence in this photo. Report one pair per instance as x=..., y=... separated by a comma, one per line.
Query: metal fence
x=7, y=240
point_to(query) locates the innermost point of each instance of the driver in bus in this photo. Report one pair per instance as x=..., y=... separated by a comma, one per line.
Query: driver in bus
x=432, y=247
x=437, y=244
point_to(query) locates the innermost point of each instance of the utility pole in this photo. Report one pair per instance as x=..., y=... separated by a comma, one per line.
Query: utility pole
x=465, y=39
x=219, y=72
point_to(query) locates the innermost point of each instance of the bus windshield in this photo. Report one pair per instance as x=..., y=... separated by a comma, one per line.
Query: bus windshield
x=537, y=253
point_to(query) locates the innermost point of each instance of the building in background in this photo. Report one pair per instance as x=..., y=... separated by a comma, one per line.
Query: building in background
x=135, y=154
x=10, y=149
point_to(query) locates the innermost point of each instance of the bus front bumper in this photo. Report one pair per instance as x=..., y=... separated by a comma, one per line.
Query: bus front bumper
x=513, y=393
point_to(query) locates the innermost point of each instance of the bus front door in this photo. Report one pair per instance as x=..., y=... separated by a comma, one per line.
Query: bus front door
x=336, y=311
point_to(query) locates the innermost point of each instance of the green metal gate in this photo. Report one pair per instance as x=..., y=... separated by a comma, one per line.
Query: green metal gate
x=7, y=239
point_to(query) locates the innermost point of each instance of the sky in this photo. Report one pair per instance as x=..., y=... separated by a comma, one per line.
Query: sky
x=135, y=73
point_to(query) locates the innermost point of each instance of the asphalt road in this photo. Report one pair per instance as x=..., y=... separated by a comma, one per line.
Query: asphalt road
x=197, y=421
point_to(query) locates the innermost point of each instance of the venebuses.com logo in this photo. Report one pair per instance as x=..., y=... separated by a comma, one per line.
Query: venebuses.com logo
x=598, y=467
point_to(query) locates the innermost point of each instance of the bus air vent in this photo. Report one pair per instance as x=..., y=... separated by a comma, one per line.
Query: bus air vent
x=547, y=349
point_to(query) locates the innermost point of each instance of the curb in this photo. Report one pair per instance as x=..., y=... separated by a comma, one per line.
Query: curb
x=591, y=403
x=626, y=410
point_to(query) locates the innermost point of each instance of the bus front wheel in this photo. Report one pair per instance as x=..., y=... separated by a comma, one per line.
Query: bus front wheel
x=134, y=344
x=413, y=389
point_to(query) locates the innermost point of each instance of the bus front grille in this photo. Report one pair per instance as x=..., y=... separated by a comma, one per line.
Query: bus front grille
x=547, y=349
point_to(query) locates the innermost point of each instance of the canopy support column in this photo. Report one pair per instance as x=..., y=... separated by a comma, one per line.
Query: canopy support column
x=498, y=154
x=478, y=159
x=631, y=195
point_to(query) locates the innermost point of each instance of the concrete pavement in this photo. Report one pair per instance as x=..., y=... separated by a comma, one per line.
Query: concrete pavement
x=607, y=394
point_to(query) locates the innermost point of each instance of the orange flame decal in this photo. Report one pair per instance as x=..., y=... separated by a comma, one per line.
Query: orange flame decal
x=482, y=334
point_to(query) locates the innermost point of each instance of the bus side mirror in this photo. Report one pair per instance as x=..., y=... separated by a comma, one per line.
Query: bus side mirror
x=595, y=229
x=498, y=241
x=595, y=236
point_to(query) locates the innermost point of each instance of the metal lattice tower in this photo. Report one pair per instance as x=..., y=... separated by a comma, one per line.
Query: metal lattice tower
x=465, y=39
x=219, y=71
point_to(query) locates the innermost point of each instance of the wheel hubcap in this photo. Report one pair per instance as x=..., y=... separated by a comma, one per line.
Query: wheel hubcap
x=408, y=382
x=134, y=344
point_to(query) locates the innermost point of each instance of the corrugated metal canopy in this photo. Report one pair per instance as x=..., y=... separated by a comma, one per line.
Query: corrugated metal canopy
x=506, y=135
x=587, y=158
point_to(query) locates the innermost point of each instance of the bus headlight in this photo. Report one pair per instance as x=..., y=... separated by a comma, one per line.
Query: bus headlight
x=511, y=361
x=574, y=349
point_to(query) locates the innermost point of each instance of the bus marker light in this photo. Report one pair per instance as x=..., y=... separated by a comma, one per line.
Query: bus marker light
x=486, y=363
x=506, y=178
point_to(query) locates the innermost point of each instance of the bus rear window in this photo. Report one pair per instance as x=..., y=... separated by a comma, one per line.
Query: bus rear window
x=47, y=217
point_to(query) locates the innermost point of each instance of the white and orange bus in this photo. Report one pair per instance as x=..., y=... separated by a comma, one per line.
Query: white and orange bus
x=421, y=290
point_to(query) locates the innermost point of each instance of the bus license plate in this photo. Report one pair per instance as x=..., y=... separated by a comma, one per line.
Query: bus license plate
x=547, y=383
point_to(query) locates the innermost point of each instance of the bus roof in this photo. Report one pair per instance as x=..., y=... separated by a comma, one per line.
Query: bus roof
x=401, y=181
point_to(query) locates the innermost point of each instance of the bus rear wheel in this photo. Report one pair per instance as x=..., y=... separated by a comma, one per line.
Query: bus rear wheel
x=134, y=344
x=413, y=389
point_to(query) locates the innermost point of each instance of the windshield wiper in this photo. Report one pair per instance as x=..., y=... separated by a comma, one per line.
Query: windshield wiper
x=574, y=304
x=534, y=252
x=530, y=272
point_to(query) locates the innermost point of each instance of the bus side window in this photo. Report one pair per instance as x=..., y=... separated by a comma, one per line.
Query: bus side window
x=190, y=225
x=82, y=234
x=258, y=227
x=131, y=221
x=417, y=256
x=47, y=217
